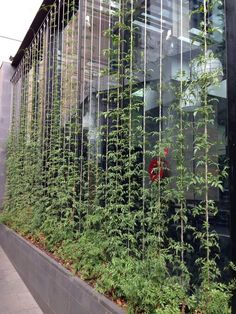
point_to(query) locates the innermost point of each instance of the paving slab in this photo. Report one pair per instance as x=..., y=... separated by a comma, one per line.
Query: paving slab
x=15, y=297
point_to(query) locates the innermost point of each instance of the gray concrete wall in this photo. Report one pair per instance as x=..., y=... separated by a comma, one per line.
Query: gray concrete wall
x=6, y=72
x=54, y=288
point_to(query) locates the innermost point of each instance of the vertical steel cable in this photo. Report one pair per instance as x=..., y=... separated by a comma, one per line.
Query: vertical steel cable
x=58, y=87
x=205, y=11
x=45, y=109
x=62, y=92
x=108, y=104
x=13, y=111
x=37, y=77
x=131, y=51
x=90, y=100
x=19, y=147
x=51, y=83
x=39, y=95
x=48, y=93
x=44, y=84
x=33, y=87
x=27, y=94
x=58, y=62
x=54, y=72
x=144, y=122
x=35, y=102
x=119, y=93
x=65, y=17
x=22, y=97
x=74, y=90
x=71, y=157
x=98, y=139
x=54, y=77
x=83, y=99
x=16, y=79
x=29, y=100
x=58, y=78
x=40, y=91
x=160, y=121
x=181, y=132
x=70, y=32
x=21, y=103
x=78, y=119
x=52, y=93
x=24, y=106
x=32, y=79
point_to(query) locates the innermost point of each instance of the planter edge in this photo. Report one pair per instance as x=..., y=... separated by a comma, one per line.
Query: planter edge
x=55, y=289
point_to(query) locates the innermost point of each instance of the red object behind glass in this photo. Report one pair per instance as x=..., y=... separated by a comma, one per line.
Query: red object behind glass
x=157, y=167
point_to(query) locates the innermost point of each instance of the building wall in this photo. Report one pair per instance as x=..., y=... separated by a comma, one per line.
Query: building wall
x=6, y=72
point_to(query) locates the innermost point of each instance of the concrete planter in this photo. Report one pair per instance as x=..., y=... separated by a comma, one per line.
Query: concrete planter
x=54, y=288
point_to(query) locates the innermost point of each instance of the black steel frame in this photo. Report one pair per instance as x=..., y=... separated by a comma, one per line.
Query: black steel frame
x=230, y=10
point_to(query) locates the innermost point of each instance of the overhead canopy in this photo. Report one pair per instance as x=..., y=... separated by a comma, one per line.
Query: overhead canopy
x=35, y=25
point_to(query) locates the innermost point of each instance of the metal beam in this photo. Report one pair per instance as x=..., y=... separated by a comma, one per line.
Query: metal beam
x=230, y=10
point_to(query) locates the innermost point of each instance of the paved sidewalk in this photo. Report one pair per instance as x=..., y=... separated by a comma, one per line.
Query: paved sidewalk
x=15, y=298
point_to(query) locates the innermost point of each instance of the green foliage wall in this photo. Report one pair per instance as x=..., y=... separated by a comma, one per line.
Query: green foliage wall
x=79, y=176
